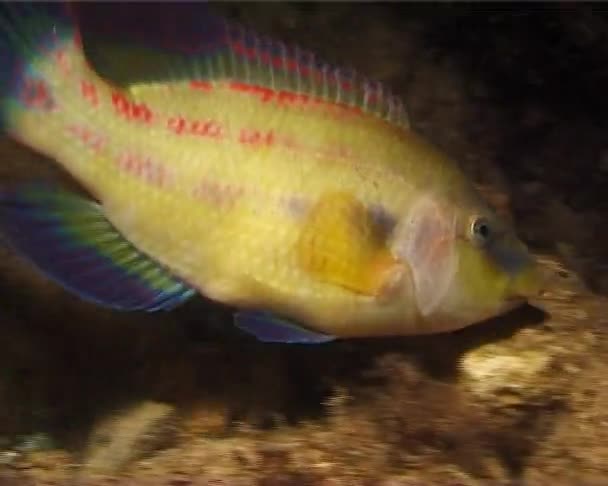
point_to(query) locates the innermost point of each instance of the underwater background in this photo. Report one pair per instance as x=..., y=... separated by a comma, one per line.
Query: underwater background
x=516, y=92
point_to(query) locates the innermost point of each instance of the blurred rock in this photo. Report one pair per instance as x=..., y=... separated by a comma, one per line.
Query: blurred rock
x=132, y=434
x=494, y=371
x=35, y=443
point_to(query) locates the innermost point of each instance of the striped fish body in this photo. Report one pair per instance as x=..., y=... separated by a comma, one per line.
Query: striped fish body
x=260, y=188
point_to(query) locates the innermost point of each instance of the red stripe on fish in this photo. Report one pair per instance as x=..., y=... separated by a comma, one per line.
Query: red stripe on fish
x=92, y=139
x=267, y=138
x=265, y=94
x=145, y=169
x=290, y=64
x=202, y=128
x=207, y=128
x=177, y=125
x=218, y=194
x=201, y=85
x=89, y=92
x=130, y=110
x=35, y=93
x=256, y=137
x=303, y=69
x=62, y=61
x=290, y=98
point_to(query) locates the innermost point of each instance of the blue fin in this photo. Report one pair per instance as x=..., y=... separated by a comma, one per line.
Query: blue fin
x=185, y=41
x=71, y=241
x=268, y=328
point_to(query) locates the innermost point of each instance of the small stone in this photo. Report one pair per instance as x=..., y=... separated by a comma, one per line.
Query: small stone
x=134, y=434
x=493, y=371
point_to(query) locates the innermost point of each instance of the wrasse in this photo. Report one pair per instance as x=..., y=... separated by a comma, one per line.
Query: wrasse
x=228, y=164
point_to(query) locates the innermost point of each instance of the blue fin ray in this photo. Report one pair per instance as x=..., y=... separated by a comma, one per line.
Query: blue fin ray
x=71, y=241
x=268, y=328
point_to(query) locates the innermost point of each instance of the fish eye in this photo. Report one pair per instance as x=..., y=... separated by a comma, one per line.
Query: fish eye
x=481, y=230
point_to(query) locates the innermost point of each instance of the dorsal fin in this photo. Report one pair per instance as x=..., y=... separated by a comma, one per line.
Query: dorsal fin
x=152, y=43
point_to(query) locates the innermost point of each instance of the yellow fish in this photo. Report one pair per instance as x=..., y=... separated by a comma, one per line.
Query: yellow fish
x=251, y=172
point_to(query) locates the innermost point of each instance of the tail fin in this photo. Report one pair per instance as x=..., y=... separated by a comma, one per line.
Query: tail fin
x=33, y=40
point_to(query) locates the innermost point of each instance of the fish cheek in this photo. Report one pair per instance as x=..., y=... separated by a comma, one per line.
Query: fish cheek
x=486, y=280
x=425, y=240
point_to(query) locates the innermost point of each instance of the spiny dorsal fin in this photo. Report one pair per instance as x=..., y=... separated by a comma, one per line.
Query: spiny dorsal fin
x=152, y=43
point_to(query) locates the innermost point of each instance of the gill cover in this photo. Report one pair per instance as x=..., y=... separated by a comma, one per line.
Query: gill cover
x=425, y=240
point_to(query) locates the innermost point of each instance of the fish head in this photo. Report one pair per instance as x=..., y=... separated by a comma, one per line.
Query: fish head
x=467, y=264
x=495, y=271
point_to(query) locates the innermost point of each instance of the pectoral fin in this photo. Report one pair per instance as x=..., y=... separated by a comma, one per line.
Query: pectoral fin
x=342, y=244
x=427, y=242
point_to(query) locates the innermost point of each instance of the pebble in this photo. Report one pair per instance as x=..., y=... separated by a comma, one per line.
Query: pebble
x=130, y=435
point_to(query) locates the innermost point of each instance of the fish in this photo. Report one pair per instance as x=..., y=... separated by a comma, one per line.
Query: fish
x=223, y=163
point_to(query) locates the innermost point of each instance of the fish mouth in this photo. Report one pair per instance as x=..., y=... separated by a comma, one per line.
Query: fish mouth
x=529, y=284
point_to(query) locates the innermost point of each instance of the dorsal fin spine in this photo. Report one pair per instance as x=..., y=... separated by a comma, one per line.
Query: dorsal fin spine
x=259, y=50
x=339, y=88
x=297, y=74
x=231, y=52
x=270, y=64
